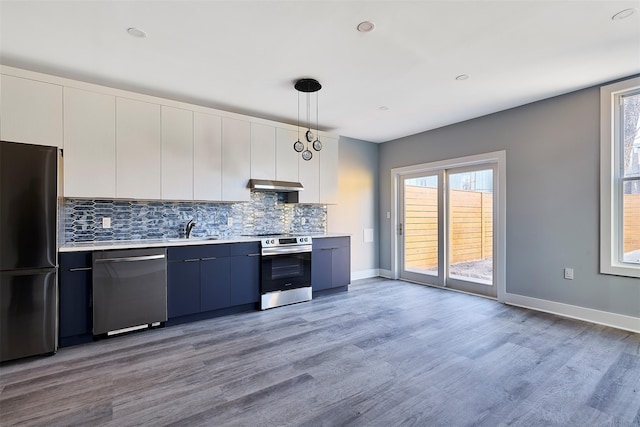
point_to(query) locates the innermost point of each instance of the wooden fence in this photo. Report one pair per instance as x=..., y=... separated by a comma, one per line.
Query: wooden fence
x=631, y=222
x=472, y=226
x=421, y=227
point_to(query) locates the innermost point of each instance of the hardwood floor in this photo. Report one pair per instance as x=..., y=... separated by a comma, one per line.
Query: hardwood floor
x=386, y=353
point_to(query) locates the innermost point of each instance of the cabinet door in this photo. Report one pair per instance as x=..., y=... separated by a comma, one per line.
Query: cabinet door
x=321, y=264
x=214, y=283
x=183, y=288
x=138, y=148
x=329, y=171
x=286, y=156
x=236, y=159
x=177, y=154
x=245, y=273
x=207, y=157
x=75, y=295
x=309, y=173
x=263, y=151
x=30, y=111
x=340, y=266
x=89, y=144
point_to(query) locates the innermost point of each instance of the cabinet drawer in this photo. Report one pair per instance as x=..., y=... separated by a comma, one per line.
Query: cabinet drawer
x=198, y=252
x=75, y=260
x=330, y=242
x=249, y=248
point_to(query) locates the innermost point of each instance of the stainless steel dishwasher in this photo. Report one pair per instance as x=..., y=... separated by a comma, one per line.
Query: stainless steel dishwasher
x=129, y=290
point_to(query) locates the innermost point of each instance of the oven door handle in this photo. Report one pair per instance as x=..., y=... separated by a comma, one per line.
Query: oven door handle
x=286, y=250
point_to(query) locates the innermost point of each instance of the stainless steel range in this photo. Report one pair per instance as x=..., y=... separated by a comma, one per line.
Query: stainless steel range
x=286, y=271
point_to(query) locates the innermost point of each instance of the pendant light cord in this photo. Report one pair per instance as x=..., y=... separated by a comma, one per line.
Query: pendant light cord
x=308, y=116
x=298, y=116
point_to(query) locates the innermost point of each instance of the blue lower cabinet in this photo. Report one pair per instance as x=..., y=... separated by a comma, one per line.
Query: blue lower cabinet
x=245, y=273
x=183, y=287
x=321, y=264
x=204, y=279
x=214, y=284
x=75, y=278
x=331, y=264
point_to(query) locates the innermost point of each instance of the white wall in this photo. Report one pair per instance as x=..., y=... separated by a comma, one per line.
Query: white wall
x=357, y=205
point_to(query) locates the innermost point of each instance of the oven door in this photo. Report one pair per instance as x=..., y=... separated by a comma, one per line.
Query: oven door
x=283, y=271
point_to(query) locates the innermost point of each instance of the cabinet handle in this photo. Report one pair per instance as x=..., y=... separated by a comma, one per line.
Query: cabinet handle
x=208, y=259
x=80, y=269
x=253, y=254
x=192, y=260
x=328, y=249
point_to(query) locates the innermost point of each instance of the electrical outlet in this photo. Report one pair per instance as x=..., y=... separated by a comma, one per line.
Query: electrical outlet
x=303, y=221
x=229, y=222
x=568, y=273
x=106, y=222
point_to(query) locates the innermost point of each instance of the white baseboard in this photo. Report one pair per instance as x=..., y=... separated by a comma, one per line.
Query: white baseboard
x=384, y=273
x=364, y=274
x=620, y=321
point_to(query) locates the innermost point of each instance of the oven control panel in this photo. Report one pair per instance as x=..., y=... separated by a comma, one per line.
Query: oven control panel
x=282, y=241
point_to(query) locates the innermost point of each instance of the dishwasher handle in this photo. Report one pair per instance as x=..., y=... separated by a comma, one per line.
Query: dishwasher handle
x=131, y=258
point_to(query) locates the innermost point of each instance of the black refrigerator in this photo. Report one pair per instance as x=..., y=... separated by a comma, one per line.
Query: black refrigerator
x=28, y=250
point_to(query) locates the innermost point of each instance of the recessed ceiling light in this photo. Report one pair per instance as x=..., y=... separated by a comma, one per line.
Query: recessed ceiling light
x=383, y=108
x=462, y=77
x=366, y=26
x=623, y=14
x=136, y=32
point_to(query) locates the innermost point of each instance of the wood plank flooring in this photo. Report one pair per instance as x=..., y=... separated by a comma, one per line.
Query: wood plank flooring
x=387, y=353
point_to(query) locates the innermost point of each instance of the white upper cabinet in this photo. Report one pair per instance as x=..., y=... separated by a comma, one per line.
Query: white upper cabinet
x=90, y=144
x=138, y=150
x=207, y=157
x=309, y=172
x=177, y=153
x=263, y=151
x=286, y=156
x=329, y=171
x=124, y=145
x=236, y=159
x=30, y=111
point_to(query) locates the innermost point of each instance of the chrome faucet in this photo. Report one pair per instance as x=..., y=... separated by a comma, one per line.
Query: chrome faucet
x=189, y=227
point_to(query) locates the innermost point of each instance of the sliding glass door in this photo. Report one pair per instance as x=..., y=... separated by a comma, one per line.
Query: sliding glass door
x=446, y=228
x=421, y=227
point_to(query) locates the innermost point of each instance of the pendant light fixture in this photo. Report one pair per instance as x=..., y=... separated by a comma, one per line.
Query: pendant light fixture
x=308, y=86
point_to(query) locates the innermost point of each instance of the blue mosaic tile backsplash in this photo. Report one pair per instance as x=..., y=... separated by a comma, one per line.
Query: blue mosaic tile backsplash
x=267, y=212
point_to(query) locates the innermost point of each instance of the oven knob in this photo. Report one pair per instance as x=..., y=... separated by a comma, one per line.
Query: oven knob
x=272, y=241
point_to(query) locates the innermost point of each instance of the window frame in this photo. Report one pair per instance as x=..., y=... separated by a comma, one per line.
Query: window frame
x=611, y=208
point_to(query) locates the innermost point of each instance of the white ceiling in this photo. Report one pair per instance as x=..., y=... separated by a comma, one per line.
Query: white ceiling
x=245, y=56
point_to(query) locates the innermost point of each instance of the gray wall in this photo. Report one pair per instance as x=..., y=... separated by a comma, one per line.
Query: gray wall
x=552, y=179
x=357, y=203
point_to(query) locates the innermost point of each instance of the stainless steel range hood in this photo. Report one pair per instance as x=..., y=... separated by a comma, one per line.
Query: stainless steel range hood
x=269, y=185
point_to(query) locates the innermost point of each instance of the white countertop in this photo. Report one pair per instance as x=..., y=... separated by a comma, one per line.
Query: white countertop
x=154, y=243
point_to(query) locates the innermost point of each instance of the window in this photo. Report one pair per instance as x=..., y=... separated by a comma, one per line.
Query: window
x=620, y=178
